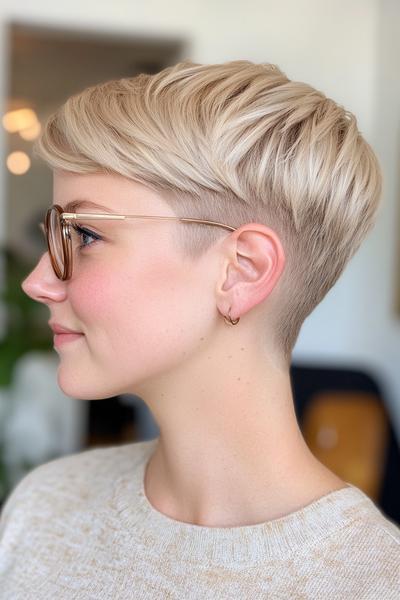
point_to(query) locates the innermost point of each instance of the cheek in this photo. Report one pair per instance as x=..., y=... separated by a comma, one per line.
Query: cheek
x=143, y=314
x=90, y=296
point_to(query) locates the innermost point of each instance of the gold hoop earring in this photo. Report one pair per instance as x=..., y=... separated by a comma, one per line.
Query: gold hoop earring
x=228, y=319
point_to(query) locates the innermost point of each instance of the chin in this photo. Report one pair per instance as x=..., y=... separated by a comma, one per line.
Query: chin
x=83, y=390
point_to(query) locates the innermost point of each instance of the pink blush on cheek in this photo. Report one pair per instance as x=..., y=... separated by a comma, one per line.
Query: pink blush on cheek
x=92, y=296
x=129, y=294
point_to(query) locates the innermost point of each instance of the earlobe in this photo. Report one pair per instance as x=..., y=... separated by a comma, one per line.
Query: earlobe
x=228, y=319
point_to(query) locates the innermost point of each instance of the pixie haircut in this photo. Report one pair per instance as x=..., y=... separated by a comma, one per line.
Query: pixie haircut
x=236, y=143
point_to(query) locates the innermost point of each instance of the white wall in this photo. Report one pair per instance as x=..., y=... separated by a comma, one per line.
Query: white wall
x=349, y=50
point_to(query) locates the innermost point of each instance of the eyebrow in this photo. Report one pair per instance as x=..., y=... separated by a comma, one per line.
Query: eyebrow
x=74, y=205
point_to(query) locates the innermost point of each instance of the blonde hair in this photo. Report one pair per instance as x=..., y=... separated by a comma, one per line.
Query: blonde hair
x=235, y=143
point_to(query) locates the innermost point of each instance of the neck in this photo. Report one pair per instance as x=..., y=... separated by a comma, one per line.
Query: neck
x=230, y=451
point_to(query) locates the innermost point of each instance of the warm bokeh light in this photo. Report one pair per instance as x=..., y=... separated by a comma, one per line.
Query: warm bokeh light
x=18, y=163
x=31, y=133
x=16, y=120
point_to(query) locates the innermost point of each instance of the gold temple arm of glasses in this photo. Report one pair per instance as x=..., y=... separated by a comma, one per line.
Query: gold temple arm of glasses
x=89, y=216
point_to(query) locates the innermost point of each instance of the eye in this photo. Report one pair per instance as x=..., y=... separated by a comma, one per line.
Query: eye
x=84, y=235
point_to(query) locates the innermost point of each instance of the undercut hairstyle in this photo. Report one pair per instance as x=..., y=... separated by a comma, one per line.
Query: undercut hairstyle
x=235, y=143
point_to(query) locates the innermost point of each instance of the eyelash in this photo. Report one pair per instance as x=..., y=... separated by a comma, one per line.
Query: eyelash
x=82, y=231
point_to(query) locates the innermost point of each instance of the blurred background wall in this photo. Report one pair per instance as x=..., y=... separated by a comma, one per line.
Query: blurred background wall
x=349, y=49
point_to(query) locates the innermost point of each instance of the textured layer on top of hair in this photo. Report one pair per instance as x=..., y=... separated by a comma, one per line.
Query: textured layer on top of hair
x=236, y=142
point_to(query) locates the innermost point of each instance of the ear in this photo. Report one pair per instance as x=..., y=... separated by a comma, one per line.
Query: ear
x=253, y=261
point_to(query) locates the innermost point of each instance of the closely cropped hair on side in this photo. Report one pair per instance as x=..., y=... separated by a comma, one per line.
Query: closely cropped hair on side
x=235, y=143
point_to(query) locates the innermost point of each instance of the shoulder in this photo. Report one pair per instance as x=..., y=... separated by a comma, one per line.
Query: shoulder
x=72, y=479
x=365, y=526
x=365, y=551
x=368, y=525
x=377, y=536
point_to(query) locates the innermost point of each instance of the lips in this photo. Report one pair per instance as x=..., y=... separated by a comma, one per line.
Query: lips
x=57, y=328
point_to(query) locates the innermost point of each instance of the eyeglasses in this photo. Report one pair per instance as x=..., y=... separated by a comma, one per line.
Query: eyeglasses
x=57, y=229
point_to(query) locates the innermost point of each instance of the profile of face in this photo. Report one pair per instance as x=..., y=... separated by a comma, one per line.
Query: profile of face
x=142, y=308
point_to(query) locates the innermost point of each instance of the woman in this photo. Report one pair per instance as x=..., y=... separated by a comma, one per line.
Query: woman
x=198, y=318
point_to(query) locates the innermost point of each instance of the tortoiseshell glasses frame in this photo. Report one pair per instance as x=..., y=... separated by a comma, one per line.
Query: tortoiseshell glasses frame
x=64, y=224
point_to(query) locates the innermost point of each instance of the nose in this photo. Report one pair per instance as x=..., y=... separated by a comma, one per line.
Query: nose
x=42, y=284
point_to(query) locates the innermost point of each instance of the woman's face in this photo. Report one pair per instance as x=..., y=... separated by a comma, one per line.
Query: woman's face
x=142, y=308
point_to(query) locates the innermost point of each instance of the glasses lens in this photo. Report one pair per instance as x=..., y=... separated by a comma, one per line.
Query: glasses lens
x=56, y=242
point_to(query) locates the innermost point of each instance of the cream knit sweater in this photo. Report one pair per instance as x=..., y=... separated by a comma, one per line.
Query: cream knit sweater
x=81, y=527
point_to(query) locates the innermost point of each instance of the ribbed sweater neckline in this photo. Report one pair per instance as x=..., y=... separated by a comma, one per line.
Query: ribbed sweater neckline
x=242, y=545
